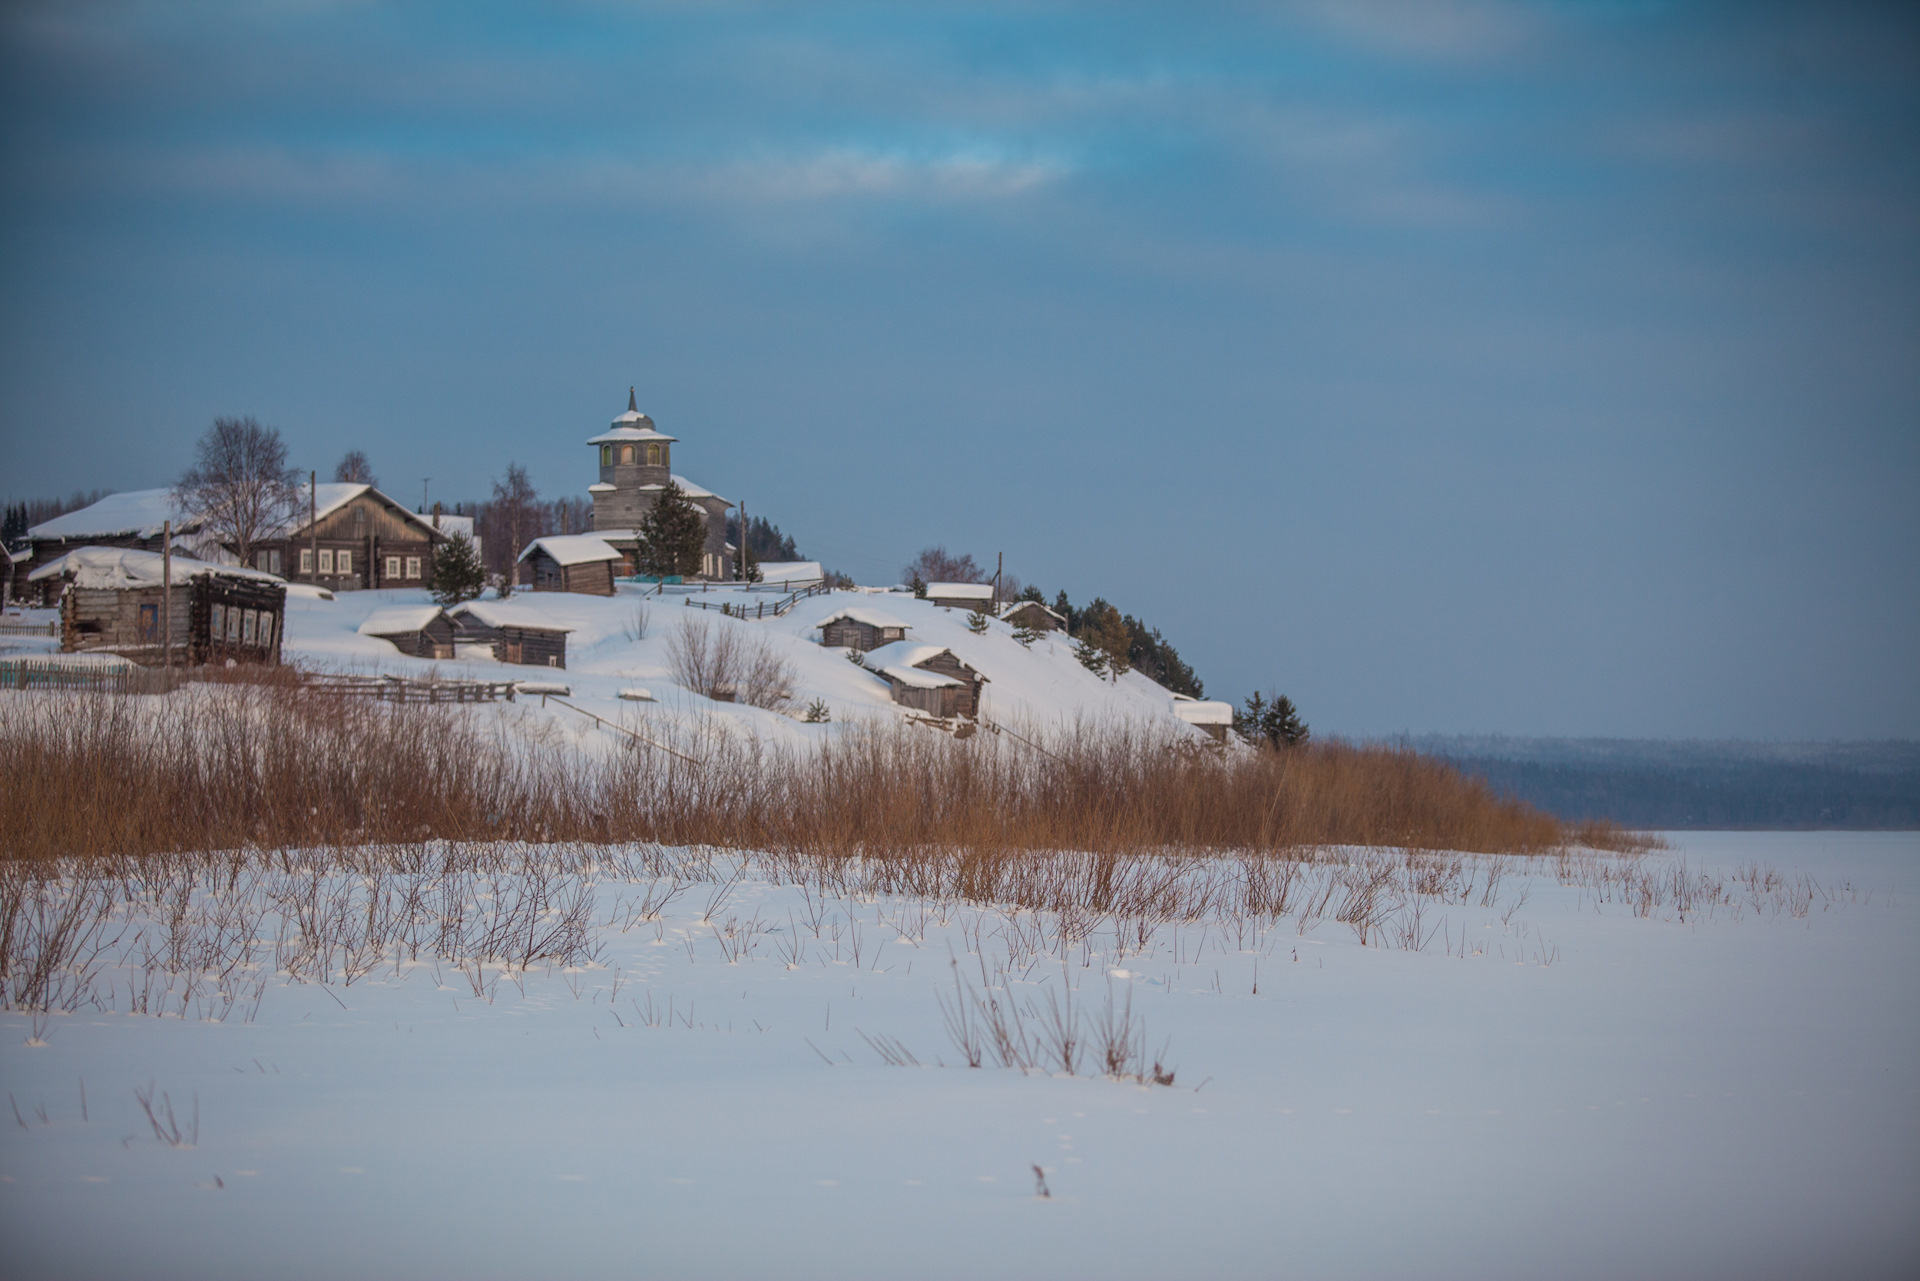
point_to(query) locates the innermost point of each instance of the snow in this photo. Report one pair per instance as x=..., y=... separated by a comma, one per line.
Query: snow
x=960, y=591
x=916, y=678
x=687, y=487
x=1197, y=712
x=791, y=571
x=119, y=568
x=392, y=620
x=139, y=513
x=1563, y=1088
x=572, y=549
x=860, y=614
x=527, y=611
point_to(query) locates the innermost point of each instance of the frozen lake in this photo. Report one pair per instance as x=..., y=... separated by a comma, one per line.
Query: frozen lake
x=1552, y=1085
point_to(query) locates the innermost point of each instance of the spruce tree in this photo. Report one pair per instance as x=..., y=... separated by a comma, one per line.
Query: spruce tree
x=977, y=622
x=457, y=572
x=673, y=535
x=919, y=586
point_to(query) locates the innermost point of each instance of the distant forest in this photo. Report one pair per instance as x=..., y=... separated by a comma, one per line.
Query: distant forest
x=1652, y=783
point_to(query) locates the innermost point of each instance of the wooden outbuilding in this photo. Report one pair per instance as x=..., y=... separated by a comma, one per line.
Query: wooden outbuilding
x=1033, y=616
x=1214, y=719
x=423, y=631
x=570, y=563
x=967, y=596
x=860, y=629
x=519, y=632
x=132, y=519
x=927, y=677
x=119, y=600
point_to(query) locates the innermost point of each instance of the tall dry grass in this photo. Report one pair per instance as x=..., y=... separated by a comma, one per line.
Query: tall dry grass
x=266, y=763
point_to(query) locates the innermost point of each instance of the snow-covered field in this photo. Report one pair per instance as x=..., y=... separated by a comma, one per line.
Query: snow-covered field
x=1554, y=1085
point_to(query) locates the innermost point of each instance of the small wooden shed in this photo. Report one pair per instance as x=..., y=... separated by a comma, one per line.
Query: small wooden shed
x=1033, y=616
x=927, y=677
x=424, y=631
x=1214, y=719
x=570, y=563
x=519, y=632
x=967, y=596
x=860, y=629
x=118, y=600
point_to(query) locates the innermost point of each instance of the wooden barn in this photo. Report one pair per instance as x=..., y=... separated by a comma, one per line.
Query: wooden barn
x=1033, y=616
x=519, y=633
x=118, y=600
x=860, y=629
x=967, y=596
x=1214, y=719
x=132, y=519
x=424, y=631
x=570, y=563
x=927, y=677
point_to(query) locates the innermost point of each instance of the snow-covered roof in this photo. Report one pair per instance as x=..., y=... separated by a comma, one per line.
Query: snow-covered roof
x=871, y=617
x=602, y=487
x=901, y=654
x=626, y=431
x=572, y=549
x=392, y=620
x=960, y=591
x=790, y=571
x=687, y=487
x=1195, y=712
x=141, y=513
x=127, y=567
x=916, y=678
x=451, y=525
x=511, y=612
x=1013, y=606
x=332, y=496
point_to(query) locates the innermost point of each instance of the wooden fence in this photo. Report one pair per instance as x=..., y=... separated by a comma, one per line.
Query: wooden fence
x=762, y=608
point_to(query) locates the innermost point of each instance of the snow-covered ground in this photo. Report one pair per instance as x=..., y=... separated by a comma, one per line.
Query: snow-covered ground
x=1042, y=687
x=1555, y=1085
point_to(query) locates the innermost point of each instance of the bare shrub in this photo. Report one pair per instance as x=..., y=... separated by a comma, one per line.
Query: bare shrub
x=717, y=659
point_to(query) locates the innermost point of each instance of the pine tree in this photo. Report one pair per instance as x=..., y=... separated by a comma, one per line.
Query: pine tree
x=1284, y=726
x=977, y=622
x=673, y=535
x=457, y=572
x=1249, y=724
x=919, y=586
x=1091, y=657
x=1026, y=636
x=1102, y=626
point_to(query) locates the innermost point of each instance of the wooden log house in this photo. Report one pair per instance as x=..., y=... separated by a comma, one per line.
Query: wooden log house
x=860, y=629
x=118, y=600
x=423, y=631
x=570, y=563
x=349, y=537
x=519, y=633
x=1033, y=616
x=967, y=596
x=927, y=677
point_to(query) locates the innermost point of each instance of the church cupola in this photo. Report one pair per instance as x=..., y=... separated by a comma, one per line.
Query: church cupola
x=633, y=457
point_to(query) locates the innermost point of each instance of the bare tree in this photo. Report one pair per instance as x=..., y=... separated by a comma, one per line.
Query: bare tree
x=935, y=565
x=515, y=517
x=240, y=485
x=354, y=469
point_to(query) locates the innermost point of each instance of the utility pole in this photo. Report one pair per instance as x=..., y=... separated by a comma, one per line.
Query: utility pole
x=166, y=594
x=313, y=524
x=423, y=493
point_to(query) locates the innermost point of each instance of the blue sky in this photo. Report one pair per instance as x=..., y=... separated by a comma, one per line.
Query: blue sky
x=1451, y=366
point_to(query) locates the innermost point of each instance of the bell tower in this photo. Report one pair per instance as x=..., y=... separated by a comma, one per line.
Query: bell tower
x=634, y=458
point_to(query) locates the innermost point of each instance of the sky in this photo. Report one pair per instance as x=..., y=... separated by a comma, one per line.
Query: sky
x=1458, y=366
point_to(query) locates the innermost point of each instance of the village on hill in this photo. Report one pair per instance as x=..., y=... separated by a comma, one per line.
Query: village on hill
x=660, y=608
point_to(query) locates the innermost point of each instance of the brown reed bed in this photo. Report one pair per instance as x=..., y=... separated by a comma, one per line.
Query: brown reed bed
x=264, y=763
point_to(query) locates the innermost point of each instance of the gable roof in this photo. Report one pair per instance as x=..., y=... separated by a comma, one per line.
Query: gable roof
x=510, y=613
x=871, y=617
x=960, y=591
x=1014, y=607
x=908, y=654
x=140, y=513
x=571, y=549
x=334, y=495
x=127, y=567
x=391, y=620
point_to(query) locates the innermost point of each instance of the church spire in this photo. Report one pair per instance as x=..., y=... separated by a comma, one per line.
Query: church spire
x=632, y=407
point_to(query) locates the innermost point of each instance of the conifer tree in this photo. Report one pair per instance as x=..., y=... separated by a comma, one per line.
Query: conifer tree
x=919, y=586
x=673, y=535
x=977, y=622
x=457, y=572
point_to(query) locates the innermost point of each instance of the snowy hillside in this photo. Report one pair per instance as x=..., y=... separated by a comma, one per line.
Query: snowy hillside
x=1040, y=687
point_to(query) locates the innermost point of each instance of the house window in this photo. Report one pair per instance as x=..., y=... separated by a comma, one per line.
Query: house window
x=342, y=561
x=149, y=623
x=413, y=567
x=306, y=560
x=393, y=567
x=263, y=561
x=276, y=561
x=217, y=624
x=249, y=626
x=653, y=455
x=233, y=626
x=606, y=455
x=326, y=560
x=266, y=631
